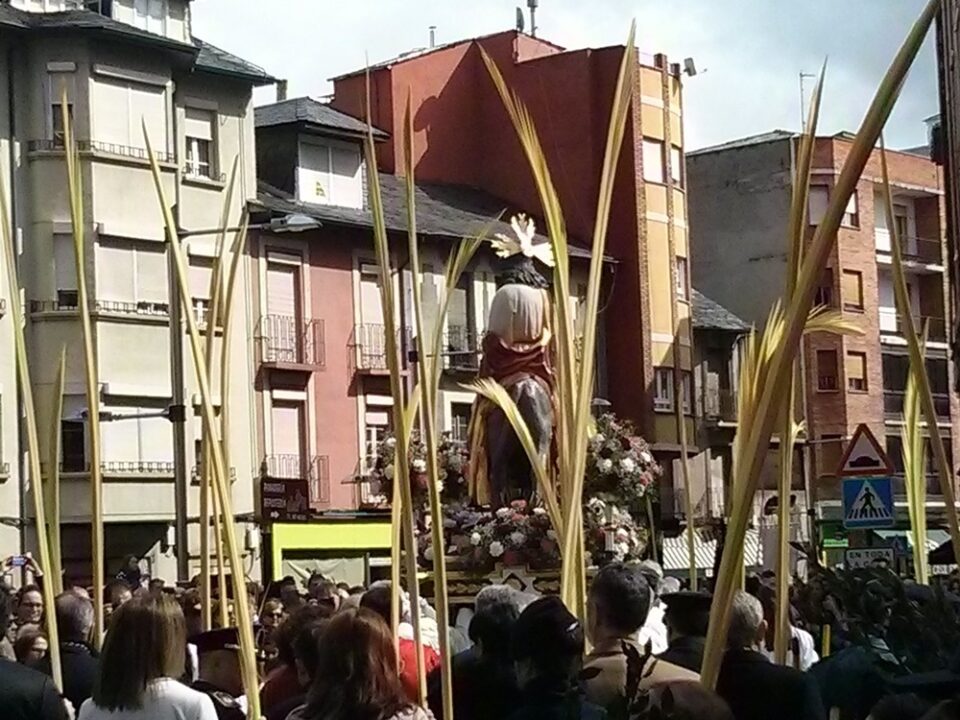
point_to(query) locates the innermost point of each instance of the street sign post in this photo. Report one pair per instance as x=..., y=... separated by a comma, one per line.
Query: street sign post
x=284, y=500
x=868, y=557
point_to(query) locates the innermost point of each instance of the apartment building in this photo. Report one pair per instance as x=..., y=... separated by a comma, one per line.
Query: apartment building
x=463, y=135
x=122, y=63
x=739, y=233
x=323, y=400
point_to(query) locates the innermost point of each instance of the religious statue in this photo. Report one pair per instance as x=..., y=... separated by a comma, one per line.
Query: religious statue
x=517, y=353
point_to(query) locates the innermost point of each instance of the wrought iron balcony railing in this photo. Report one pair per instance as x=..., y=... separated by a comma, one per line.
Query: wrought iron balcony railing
x=461, y=349
x=893, y=404
x=914, y=249
x=115, y=468
x=289, y=467
x=286, y=340
x=96, y=146
x=369, y=342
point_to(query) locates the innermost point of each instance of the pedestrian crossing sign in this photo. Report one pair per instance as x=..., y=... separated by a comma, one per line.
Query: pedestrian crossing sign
x=867, y=503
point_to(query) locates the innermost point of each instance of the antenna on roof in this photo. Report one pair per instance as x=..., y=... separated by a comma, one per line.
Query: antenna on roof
x=533, y=4
x=521, y=20
x=433, y=36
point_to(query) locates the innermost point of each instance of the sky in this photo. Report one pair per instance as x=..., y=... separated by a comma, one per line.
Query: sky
x=748, y=53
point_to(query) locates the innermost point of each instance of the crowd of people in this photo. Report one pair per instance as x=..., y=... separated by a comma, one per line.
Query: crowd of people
x=327, y=652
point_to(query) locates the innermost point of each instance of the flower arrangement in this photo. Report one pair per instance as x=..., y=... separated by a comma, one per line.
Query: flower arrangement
x=453, y=461
x=620, y=466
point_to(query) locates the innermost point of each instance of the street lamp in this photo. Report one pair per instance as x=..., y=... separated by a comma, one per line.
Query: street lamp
x=291, y=222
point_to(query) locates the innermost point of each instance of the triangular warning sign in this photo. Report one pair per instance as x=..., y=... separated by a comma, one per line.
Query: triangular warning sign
x=868, y=506
x=864, y=456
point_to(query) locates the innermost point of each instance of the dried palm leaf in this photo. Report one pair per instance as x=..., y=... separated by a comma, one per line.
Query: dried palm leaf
x=55, y=573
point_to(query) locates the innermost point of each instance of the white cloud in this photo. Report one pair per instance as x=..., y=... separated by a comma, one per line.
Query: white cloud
x=750, y=52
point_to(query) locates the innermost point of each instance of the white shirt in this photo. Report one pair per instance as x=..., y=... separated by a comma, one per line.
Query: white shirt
x=165, y=699
x=654, y=630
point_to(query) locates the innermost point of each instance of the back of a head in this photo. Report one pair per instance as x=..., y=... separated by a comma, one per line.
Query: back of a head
x=293, y=625
x=550, y=638
x=688, y=700
x=908, y=706
x=306, y=644
x=146, y=641
x=378, y=599
x=74, y=617
x=746, y=621
x=497, y=610
x=620, y=596
x=356, y=674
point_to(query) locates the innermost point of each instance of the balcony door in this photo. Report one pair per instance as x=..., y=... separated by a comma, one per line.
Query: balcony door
x=283, y=317
x=288, y=458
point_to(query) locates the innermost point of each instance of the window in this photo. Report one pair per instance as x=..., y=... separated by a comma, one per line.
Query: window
x=663, y=390
x=824, y=294
x=329, y=174
x=150, y=15
x=57, y=83
x=682, y=279
x=121, y=107
x=133, y=273
x=676, y=166
x=198, y=129
x=653, y=162
x=852, y=290
x=817, y=203
x=376, y=429
x=72, y=446
x=686, y=384
x=65, y=272
x=460, y=421
x=901, y=217
x=827, y=370
x=856, y=367
x=851, y=216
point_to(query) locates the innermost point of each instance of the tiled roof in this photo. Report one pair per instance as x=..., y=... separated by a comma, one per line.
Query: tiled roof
x=450, y=211
x=208, y=57
x=711, y=315
x=766, y=137
x=313, y=112
x=213, y=59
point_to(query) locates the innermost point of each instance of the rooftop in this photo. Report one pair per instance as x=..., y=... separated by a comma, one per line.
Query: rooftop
x=711, y=315
x=312, y=113
x=447, y=211
x=750, y=140
x=208, y=58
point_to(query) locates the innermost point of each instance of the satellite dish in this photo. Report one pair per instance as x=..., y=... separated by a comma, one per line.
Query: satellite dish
x=689, y=67
x=521, y=20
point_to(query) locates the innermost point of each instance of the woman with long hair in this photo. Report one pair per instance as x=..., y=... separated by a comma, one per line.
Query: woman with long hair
x=356, y=675
x=143, y=653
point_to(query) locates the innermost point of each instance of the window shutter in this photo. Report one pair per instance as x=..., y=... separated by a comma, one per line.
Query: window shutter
x=852, y=289
x=653, y=161
x=115, y=273
x=819, y=197
x=286, y=429
x=111, y=122
x=64, y=265
x=200, y=276
x=346, y=188
x=148, y=105
x=281, y=290
x=856, y=366
x=152, y=285
x=198, y=124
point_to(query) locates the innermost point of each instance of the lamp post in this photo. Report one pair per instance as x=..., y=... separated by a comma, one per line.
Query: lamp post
x=293, y=222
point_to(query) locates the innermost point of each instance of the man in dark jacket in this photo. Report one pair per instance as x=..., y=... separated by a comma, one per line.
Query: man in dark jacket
x=25, y=693
x=220, y=676
x=687, y=618
x=484, y=682
x=74, y=623
x=755, y=688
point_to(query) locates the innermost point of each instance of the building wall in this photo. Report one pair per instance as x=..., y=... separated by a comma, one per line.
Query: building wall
x=125, y=266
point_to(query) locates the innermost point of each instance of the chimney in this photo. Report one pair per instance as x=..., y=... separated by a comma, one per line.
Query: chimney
x=433, y=36
x=281, y=90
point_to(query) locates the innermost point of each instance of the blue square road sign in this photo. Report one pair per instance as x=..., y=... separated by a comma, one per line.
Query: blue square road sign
x=868, y=503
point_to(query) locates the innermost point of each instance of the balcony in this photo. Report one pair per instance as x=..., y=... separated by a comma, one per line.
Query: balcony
x=117, y=468
x=915, y=250
x=893, y=404
x=369, y=345
x=288, y=343
x=68, y=302
x=313, y=473
x=461, y=349
x=720, y=407
x=892, y=323
x=103, y=148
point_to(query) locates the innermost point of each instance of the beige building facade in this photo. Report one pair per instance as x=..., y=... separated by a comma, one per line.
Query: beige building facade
x=124, y=65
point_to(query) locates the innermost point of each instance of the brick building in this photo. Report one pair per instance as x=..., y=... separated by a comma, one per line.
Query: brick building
x=739, y=234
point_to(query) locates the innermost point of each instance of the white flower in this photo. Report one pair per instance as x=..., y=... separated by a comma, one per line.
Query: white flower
x=504, y=513
x=606, y=465
x=439, y=485
x=391, y=443
x=388, y=472
x=646, y=457
x=428, y=552
x=628, y=465
x=622, y=550
x=496, y=549
x=517, y=537
x=475, y=538
x=419, y=465
x=551, y=534
x=539, y=511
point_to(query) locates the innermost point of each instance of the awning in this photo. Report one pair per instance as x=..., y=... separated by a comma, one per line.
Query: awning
x=935, y=537
x=676, y=558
